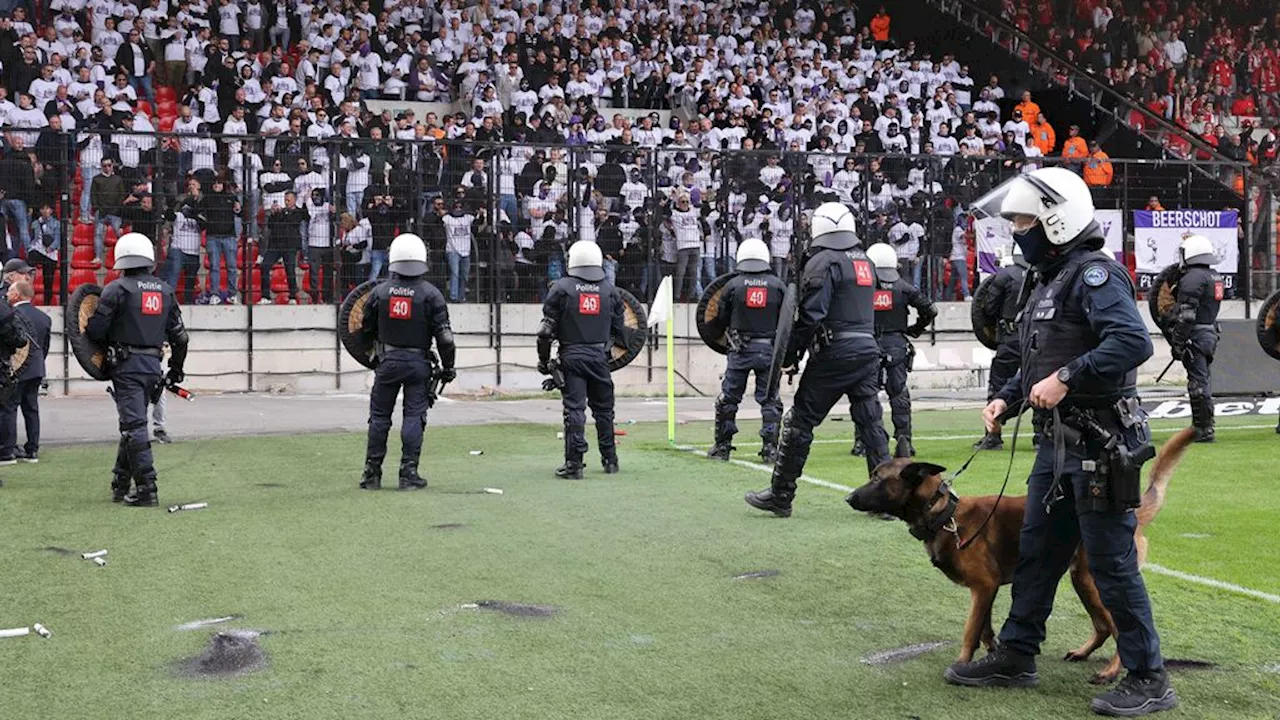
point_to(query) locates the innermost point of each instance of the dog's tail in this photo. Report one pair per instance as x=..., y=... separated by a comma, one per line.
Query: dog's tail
x=1161, y=472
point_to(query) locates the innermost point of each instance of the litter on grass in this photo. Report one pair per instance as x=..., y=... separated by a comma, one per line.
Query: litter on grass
x=15, y=632
x=94, y=554
x=758, y=574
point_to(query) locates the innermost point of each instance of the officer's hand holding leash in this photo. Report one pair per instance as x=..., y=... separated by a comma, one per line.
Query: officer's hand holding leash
x=1047, y=393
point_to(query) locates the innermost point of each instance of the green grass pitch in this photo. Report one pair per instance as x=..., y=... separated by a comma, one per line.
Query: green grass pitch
x=363, y=593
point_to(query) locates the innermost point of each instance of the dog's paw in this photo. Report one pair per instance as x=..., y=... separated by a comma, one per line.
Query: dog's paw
x=1103, y=678
x=1076, y=656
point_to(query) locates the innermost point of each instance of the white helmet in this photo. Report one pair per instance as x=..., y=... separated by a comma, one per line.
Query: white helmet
x=753, y=256
x=134, y=250
x=1056, y=197
x=408, y=255
x=1197, y=250
x=885, y=259
x=586, y=262
x=834, y=227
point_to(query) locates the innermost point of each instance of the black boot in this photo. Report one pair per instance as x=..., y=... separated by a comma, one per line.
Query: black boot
x=859, y=449
x=610, y=464
x=720, y=451
x=989, y=441
x=371, y=478
x=769, y=501
x=1136, y=695
x=144, y=493
x=119, y=488
x=905, y=449
x=409, y=479
x=999, y=668
x=570, y=470
x=1202, y=419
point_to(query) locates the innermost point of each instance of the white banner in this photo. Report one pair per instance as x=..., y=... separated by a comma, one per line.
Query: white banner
x=1159, y=234
x=995, y=238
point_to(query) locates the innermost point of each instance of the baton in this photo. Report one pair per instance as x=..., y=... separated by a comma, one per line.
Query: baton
x=1166, y=369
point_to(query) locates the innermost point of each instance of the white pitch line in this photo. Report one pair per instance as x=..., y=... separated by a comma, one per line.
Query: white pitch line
x=1154, y=431
x=1210, y=582
x=1157, y=569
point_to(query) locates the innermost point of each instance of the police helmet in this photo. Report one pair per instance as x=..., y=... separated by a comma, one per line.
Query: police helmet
x=753, y=256
x=408, y=255
x=134, y=250
x=586, y=262
x=1197, y=250
x=834, y=227
x=886, y=261
x=1057, y=198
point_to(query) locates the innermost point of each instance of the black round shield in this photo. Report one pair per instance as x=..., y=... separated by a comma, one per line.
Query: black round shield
x=1269, y=325
x=782, y=337
x=351, y=322
x=18, y=359
x=627, y=347
x=985, y=318
x=709, y=307
x=91, y=356
x=1162, y=299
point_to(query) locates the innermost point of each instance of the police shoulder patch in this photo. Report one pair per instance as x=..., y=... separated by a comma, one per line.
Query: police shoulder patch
x=1095, y=276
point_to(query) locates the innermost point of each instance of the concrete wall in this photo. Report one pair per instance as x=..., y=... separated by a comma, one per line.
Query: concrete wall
x=295, y=349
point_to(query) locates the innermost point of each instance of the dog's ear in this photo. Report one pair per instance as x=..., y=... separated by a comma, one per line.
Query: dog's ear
x=916, y=472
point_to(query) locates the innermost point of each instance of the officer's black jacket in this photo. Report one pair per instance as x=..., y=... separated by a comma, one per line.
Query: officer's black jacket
x=580, y=312
x=410, y=312
x=1002, y=303
x=1081, y=315
x=837, y=291
x=750, y=304
x=891, y=303
x=1200, y=291
x=140, y=310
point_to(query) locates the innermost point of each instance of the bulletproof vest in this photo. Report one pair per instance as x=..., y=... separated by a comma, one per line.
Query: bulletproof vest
x=585, y=319
x=1209, y=286
x=853, y=295
x=404, y=316
x=1009, y=310
x=891, y=306
x=143, y=315
x=757, y=301
x=1055, y=331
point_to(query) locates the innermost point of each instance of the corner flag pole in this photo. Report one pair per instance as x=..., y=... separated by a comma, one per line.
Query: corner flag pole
x=671, y=362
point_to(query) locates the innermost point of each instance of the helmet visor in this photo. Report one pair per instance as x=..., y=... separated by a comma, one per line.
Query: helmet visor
x=1020, y=199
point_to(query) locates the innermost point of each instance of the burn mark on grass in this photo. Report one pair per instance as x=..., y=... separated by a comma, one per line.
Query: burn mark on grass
x=517, y=609
x=1185, y=664
x=448, y=526
x=897, y=655
x=272, y=485
x=229, y=653
x=59, y=550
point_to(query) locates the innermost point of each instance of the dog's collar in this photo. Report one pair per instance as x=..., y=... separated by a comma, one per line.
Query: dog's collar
x=928, y=526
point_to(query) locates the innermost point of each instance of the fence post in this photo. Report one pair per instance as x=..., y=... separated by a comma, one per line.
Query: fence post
x=70, y=214
x=1244, y=262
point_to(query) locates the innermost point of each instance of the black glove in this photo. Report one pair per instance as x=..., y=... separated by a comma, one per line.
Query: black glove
x=550, y=384
x=448, y=375
x=915, y=331
x=544, y=368
x=175, y=376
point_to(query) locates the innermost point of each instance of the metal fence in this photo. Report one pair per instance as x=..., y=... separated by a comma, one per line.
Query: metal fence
x=497, y=218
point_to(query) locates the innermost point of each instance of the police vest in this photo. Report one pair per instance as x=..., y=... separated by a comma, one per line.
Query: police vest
x=1009, y=309
x=891, y=306
x=404, y=315
x=852, y=306
x=1208, y=287
x=585, y=317
x=1055, y=331
x=757, y=302
x=143, y=313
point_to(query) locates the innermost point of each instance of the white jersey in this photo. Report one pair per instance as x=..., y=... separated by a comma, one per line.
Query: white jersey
x=457, y=233
x=688, y=231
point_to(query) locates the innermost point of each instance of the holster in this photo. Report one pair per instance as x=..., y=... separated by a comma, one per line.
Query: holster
x=1123, y=439
x=733, y=340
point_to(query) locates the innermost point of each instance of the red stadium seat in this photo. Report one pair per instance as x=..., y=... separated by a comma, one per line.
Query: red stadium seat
x=82, y=257
x=81, y=277
x=164, y=92
x=165, y=124
x=144, y=107
x=279, y=283
x=83, y=231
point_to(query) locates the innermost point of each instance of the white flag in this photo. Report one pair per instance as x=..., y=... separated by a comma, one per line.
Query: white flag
x=661, y=308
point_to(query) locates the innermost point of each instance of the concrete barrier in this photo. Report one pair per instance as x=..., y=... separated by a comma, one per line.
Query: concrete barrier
x=295, y=348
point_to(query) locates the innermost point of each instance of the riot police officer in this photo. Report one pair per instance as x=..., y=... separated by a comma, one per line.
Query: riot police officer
x=582, y=312
x=1195, y=327
x=136, y=314
x=835, y=319
x=1003, y=298
x=1082, y=341
x=12, y=336
x=403, y=315
x=894, y=295
x=748, y=315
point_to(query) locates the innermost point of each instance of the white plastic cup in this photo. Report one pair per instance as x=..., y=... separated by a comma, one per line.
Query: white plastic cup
x=100, y=562
x=15, y=632
x=493, y=491
x=42, y=631
x=188, y=506
x=94, y=554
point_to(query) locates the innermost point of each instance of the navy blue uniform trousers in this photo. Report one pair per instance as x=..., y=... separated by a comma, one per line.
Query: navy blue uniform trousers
x=587, y=383
x=400, y=370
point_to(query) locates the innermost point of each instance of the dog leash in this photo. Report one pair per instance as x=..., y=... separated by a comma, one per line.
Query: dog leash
x=1019, y=407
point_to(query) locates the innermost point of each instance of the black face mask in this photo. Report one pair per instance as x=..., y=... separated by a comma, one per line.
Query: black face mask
x=1034, y=243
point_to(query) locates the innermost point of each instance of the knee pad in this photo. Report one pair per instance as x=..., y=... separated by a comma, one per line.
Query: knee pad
x=792, y=436
x=1196, y=391
x=724, y=406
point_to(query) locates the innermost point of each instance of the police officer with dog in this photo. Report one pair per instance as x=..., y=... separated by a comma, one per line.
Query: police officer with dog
x=835, y=320
x=1195, y=327
x=893, y=298
x=136, y=315
x=582, y=313
x=1002, y=300
x=1082, y=341
x=402, y=316
x=748, y=317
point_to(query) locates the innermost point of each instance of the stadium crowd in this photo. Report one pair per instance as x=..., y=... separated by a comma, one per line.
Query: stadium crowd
x=238, y=134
